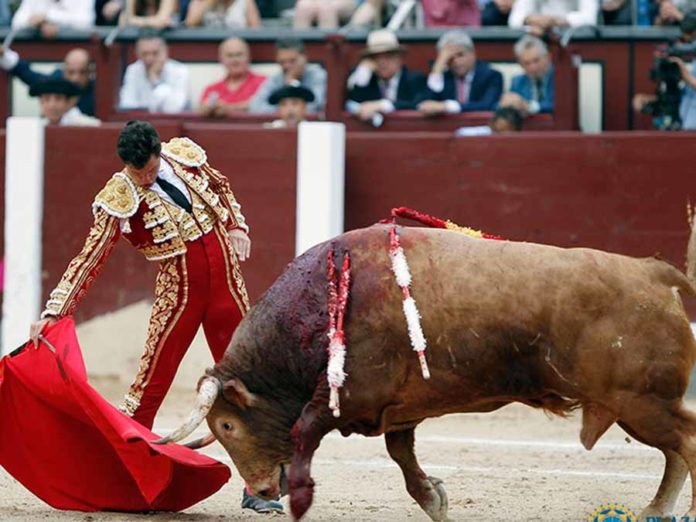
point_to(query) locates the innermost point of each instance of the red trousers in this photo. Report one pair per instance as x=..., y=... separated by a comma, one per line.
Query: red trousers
x=203, y=287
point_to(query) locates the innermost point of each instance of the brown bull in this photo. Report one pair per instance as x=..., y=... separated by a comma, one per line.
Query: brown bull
x=506, y=322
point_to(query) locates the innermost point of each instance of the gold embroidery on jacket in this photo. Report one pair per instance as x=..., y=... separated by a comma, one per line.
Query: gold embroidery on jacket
x=119, y=197
x=184, y=151
x=171, y=297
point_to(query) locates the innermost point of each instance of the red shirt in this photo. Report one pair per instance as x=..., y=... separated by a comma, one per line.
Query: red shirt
x=243, y=93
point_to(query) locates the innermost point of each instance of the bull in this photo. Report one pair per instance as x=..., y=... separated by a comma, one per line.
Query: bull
x=553, y=328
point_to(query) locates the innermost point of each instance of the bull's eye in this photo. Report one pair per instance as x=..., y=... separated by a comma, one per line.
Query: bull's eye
x=227, y=426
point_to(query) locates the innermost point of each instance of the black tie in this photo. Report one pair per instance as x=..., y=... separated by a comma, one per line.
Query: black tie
x=540, y=89
x=174, y=193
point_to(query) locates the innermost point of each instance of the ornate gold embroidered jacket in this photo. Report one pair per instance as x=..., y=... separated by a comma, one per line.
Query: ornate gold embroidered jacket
x=157, y=228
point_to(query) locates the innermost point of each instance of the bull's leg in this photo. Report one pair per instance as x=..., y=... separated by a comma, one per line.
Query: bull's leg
x=427, y=491
x=314, y=422
x=668, y=492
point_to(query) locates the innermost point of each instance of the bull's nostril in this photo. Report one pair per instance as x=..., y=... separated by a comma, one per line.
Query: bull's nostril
x=264, y=493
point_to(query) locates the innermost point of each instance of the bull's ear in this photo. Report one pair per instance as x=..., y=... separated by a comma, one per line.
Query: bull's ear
x=236, y=392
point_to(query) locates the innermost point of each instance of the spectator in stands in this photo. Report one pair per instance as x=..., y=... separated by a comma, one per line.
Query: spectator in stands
x=57, y=101
x=290, y=55
x=496, y=12
x=381, y=83
x=234, y=92
x=291, y=100
x=451, y=13
x=672, y=12
x=48, y=16
x=504, y=121
x=458, y=81
x=232, y=14
x=542, y=15
x=76, y=69
x=617, y=12
x=157, y=14
x=108, y=11
x=325, y=13
x=154, y=82
x=533, y=91
x=366, y=13
x=687, y=103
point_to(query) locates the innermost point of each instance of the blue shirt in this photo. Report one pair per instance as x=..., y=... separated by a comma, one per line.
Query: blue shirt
x=687, y=106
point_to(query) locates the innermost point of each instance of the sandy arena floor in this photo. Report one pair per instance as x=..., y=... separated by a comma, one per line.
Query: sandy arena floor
x=514, y=464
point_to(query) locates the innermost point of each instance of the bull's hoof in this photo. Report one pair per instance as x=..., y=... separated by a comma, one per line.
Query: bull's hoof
x=300, y=500
x=651, y=511
x=436, y=504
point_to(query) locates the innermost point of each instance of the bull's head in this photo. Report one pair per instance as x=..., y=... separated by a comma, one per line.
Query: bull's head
x=252, y=429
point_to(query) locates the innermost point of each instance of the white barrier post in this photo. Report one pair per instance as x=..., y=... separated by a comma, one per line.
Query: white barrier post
x=24, y=170
x=320, y=183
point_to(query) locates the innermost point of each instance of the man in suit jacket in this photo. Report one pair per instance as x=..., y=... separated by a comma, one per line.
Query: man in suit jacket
x=76, y=69
x=381, y=83
x=459, y=82
x=533, y=91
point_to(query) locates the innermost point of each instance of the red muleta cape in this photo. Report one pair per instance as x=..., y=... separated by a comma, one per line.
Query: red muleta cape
x=71, y=448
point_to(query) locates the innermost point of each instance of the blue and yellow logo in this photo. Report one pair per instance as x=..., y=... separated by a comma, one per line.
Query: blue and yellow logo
x=612, y=512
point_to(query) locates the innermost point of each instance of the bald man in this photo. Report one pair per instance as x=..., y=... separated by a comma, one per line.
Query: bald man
x=75, y=69
x=234, y=92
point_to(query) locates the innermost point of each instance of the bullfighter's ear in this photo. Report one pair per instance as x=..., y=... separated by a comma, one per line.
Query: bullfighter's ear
x=236, y=392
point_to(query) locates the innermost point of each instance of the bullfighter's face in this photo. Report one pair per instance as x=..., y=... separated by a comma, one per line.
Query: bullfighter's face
x=253, y=435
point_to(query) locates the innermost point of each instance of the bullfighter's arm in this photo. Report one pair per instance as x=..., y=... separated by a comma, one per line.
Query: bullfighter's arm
x=221, y=185
x=85, y=267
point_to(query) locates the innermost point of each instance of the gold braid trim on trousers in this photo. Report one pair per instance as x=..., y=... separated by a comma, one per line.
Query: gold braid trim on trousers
x=235, y=281
x=171, y=296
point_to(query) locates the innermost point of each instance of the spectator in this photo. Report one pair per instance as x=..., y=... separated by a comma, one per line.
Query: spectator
x=290, y=55
x=232, y=14
x=381, y=83
x=451, y=13
x=496, y=12
x=366, y=13
x=617, y=12
x=533, y=91
x=154, y=82
x=672, y=12
x=157, y=14
x=48, y=16
x=108, y=11
x=545, y=14
x=76, y=69
x=234, y=92
x=663, y=110
x=292, y=103
x=325, y=13
x=57, y=99
x=458, y=81
x=504, y=121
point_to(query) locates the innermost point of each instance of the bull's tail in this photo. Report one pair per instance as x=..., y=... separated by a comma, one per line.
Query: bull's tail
x=691, y=248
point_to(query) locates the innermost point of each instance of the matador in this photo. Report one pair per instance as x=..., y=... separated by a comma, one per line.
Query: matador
x=177, y=210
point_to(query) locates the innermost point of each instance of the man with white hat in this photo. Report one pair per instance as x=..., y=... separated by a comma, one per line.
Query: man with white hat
x=381, y=83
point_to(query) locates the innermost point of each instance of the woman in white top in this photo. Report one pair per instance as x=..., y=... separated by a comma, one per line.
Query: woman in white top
x=233, y=14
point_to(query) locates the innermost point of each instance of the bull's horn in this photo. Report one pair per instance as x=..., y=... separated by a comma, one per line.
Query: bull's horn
x=207, y=393
x=202, y=442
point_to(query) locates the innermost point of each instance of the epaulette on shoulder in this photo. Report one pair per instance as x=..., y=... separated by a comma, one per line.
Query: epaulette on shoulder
x=119, y=198
x=185, y=151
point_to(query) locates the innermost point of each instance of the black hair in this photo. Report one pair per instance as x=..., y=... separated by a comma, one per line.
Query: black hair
x=511, y=115
x=138, y=142
x=688, y=23
x=290, y=43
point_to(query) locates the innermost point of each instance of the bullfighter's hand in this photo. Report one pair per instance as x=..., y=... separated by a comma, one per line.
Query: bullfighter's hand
x=38, y=327
x=241, y=243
